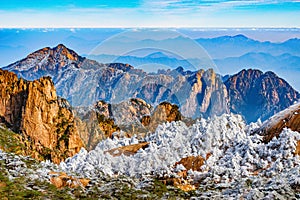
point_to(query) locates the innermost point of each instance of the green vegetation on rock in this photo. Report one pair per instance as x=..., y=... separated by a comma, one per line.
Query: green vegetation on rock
x=10, y=141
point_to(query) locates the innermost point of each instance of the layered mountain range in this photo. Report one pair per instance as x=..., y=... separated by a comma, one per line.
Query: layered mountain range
x=240, y=44
x=216, y=156
x=82, y=82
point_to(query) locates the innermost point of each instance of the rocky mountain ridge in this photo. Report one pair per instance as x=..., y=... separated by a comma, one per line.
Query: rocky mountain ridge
x=47, y=61
x=197, y=93
x=83, y=82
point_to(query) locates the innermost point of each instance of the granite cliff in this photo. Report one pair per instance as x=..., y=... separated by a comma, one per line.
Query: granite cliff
x=45, y=121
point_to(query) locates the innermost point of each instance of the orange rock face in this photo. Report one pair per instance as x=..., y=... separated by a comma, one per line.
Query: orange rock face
x=61, y=180
x=164, y=112
x=128, y=150
x=297, y=152
x=192, y=162
x=44, y=120
x=182, y=182
x=289, y=118
x=186, y=187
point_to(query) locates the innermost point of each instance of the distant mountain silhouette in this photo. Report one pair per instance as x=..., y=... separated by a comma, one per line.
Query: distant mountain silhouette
x=263, y=61
x=236, y=46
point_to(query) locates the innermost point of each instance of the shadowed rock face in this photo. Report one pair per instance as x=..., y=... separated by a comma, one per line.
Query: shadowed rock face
x=255, y=94
x=131, y=111
x=44, y=120
x=94, y=126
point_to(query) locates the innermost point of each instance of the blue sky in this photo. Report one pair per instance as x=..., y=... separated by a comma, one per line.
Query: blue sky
x=150, y=13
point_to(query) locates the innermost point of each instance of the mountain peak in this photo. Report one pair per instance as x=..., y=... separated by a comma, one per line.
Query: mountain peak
x=63, y=50
x=157, y=55
x=46, y=61
x=255, y=94
x=240, y=36
x=62, y=46
x=59, y=53
x=250, y=73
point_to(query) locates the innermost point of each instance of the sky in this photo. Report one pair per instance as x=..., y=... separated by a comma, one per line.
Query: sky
x=149, y=13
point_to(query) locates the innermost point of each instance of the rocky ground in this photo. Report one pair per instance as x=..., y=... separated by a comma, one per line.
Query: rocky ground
x=23, y=177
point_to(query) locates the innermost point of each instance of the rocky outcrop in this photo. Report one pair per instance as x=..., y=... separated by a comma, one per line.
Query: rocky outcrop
x=164, y=112
x=128, y=118
x=182, y=180
x=288, y=118
x=255, y=94
x=62, y=180
x=105, y=120
x=128, y=150
x=94, y=127
x=208, y=95
x=131, y=111
x=191, y=163
x=45, y=121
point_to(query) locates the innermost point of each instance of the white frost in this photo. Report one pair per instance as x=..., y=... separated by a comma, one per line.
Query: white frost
x=235, y=152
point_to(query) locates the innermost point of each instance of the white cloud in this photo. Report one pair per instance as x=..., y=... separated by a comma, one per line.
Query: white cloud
x=156, y=13
x=202, y=5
